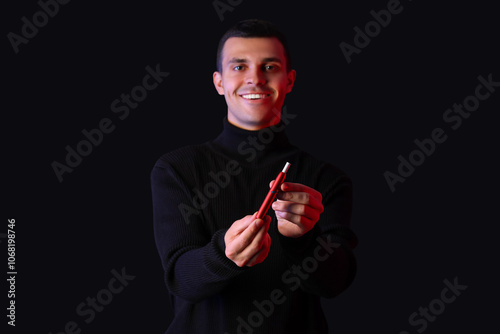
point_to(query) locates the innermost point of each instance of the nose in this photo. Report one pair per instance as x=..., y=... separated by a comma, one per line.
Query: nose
x=255, y=76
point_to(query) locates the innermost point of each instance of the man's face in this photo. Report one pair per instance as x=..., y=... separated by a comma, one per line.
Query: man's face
x=254, y=81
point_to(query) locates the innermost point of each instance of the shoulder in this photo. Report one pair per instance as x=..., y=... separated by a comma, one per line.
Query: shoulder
x=182, y=157
x=322, y=169
x=182, y=164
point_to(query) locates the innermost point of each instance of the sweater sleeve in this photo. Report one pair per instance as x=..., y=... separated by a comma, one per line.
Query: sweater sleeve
x=322, y=259
x=194, y=260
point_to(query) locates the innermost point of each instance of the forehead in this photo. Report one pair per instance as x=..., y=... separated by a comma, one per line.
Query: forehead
x=253, y=48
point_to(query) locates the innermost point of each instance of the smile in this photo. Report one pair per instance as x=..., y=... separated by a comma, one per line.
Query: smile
x=255, y=96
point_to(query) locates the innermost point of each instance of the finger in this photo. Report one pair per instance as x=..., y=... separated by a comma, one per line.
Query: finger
x=242, y=224
x=298, y=187
x=254, y=247
x=297, y=219
x=259, y=236
x=245, y=238
x=243, y=247
x=262, y=253
x=301, y=198
x=290, y=229
x=310, y=212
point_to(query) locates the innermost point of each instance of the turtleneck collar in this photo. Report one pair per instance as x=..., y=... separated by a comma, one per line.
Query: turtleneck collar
x=253, y=146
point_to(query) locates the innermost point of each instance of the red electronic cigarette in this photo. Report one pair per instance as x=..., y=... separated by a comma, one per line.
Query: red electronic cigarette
x=271, y=195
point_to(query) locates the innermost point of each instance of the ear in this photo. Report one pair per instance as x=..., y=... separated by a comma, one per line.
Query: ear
x=291, y=80
x=217, y=77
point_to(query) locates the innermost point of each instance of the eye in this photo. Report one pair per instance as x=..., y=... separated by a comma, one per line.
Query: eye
x=271, y=68
x=238, y=68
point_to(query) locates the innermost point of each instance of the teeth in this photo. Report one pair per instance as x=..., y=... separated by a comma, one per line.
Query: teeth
x=254, y=96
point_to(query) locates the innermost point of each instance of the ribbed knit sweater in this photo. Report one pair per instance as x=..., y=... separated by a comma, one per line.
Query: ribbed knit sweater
x=200, y=190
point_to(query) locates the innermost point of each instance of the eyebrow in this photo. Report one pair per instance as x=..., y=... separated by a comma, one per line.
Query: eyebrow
x=265, y=60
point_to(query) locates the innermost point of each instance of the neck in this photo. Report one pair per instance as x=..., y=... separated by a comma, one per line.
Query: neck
x=268, y=121
x=252, y=146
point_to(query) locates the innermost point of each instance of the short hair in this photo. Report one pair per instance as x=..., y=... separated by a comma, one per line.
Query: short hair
x=253, y=28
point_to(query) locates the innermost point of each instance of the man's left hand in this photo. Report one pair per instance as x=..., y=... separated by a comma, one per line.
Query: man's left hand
x=297, y=209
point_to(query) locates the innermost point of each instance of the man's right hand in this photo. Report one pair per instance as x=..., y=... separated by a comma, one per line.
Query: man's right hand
x=247, y=240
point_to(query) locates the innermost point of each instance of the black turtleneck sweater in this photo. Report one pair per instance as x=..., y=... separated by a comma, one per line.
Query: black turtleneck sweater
x=199, y=191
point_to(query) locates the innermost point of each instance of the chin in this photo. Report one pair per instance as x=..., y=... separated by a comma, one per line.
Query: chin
x=263, y=119
x=264, y=114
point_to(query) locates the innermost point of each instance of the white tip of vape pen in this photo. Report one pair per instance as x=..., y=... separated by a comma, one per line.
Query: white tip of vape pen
x=285, y=169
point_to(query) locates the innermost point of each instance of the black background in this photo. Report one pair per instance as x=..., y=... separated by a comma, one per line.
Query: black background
x=439, y=224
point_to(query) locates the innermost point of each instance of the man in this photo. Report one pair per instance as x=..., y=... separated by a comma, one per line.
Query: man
x=227, y=271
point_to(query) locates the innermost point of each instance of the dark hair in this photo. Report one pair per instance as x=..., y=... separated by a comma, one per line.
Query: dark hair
x=253, y=28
